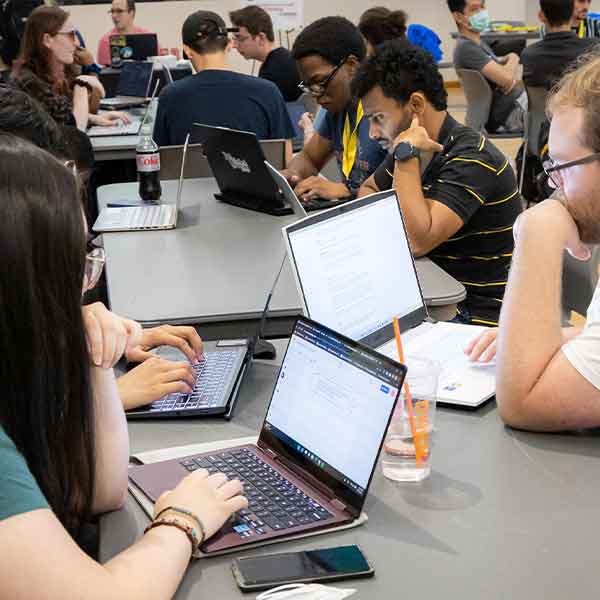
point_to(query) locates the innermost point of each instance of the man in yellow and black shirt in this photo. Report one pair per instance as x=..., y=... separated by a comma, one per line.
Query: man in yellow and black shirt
x=457, y=191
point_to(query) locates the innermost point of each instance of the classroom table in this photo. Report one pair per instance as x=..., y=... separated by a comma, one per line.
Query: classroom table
x=504, y=515
x=217, y=267
x=497, y=36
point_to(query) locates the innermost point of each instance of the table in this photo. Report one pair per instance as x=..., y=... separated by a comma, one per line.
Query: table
x=504, y=515
x=497, y=36
x=217, y=267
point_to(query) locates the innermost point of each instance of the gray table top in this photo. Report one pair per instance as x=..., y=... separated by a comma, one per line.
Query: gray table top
x=218, y=265
x=488, y=36
x=504, y=514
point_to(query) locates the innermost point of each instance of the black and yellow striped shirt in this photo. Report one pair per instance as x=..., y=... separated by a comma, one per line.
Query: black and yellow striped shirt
x=475, y=180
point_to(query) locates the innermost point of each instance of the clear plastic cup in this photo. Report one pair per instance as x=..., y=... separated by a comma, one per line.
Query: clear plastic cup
x=406, y=454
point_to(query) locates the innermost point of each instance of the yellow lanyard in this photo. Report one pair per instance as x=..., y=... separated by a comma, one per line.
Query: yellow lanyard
x=350, y=141
x=581, y=32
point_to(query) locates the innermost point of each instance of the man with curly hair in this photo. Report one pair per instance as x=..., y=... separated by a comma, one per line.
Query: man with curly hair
x=457, y=191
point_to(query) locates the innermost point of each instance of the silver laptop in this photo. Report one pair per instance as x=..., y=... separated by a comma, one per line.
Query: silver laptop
x=355, y=272
x=134, y=86
x=150, y=217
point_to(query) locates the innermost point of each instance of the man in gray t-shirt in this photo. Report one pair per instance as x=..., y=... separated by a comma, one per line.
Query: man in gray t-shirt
x=472, y=53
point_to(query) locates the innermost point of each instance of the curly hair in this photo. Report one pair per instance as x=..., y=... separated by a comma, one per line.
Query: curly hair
x=401, y=69
x=331, y=38
x=379, y=24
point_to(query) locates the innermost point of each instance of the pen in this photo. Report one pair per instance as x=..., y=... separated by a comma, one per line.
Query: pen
x=418, y=436
x=118, y=205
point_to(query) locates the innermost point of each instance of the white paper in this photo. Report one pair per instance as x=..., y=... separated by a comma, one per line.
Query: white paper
x=286, y=14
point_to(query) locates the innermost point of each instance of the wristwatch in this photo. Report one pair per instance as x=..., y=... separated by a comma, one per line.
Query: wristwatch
x=405, y=151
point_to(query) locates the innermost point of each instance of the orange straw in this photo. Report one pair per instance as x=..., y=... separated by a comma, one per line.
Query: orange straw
x=418, y=436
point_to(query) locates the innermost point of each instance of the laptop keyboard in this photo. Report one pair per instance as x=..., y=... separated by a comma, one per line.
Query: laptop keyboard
x=149, y=217
x=213, y=374
x=122, y=129
x=275, y=504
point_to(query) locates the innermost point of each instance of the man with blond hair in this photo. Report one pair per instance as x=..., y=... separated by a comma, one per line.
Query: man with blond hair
x=548, y=378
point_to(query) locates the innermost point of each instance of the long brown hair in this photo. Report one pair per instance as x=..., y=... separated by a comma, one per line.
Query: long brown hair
x=34, y=55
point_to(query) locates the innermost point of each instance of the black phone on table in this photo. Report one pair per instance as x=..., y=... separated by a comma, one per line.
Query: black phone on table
x=255, y=573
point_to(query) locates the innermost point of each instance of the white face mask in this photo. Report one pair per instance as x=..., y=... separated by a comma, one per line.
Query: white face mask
x=480, y=21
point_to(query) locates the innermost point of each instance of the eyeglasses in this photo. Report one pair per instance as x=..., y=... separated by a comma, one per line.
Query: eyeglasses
x=94, y=264
x=117, y=11
x=240, y=39
x=72, y=34
x=318, y=89
x=552, y=169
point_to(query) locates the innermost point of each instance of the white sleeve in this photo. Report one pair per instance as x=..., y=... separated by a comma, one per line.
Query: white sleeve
x=583, y=352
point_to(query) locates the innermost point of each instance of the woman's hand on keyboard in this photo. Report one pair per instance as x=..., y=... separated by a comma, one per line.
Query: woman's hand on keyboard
x=108, y=335
x=483, y=347
x=185, y=339
x=153, y=379
x=212, y=498
x=110, y=118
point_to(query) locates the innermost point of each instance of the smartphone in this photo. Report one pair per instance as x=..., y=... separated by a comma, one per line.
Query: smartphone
x=329, y=564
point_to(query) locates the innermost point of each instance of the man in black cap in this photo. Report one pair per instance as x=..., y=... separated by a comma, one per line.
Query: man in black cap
x=215, y=95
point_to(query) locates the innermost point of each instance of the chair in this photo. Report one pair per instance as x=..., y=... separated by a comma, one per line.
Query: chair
x=579, y=282
x=479, y=102
x=274, y=151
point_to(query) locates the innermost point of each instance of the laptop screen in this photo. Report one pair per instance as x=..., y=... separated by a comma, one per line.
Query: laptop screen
x=331, y=407
x=135, y=79
x=355, y=268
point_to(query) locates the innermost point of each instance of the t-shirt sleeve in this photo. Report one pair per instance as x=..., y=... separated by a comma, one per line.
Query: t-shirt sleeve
x=19, y=491
x=471, y=56
x=103, y=51
x=324, y=125
x=384, y=174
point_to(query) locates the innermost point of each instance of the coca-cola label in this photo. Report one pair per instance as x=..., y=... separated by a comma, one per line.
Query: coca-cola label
x=148, y=163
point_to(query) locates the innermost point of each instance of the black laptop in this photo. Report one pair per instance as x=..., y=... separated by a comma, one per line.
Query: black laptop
x=135, y=46
x=238, y=164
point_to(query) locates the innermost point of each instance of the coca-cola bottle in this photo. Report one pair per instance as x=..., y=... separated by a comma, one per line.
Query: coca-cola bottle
x=148, y=166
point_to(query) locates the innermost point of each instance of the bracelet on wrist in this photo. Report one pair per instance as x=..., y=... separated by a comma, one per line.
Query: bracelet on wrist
x=189, y=531
x=187, y=513
x=83, y=84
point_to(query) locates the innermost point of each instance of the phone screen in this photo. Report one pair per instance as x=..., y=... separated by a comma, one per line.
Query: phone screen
x=308, y=565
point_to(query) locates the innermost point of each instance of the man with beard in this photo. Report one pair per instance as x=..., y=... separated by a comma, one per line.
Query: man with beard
x=548, y=378
x=457, y=191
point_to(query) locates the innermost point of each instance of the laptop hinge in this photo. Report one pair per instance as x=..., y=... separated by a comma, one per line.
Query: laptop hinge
x=338, y=504
x=269, y=452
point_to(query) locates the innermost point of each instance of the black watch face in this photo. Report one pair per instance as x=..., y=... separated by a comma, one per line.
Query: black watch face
x=404, y=151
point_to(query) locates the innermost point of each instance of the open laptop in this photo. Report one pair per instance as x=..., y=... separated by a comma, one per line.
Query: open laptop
x=147, y=217
x=237, y=162
x=318, y=446
x=355, y=272
x=134, y=86
x=135, y=46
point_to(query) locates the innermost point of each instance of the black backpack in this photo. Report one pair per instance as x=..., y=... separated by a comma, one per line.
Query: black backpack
x=13, y=16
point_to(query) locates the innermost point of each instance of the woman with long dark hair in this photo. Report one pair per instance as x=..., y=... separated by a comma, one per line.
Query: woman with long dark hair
x=45, y=70
x=63, y=435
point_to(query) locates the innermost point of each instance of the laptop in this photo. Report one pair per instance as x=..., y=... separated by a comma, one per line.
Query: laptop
x=146, y=217
x=136, y=46
x=237, y=161
x=318, y=446
x=134, y=86
x=355, y=272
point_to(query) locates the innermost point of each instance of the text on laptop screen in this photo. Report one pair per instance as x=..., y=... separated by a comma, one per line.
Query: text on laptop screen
x=134, y=79
x=332, y=403
x=356, y=269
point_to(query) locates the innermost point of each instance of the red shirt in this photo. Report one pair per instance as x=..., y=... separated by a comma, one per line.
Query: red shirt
x=104, y=44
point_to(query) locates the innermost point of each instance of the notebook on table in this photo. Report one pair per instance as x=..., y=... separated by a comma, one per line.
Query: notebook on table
x=355, y=272
x=145, y=217
x=312, y=465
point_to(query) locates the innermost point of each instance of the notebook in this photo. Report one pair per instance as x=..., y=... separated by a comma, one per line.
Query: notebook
x=355, y=272
x=145, y=217
x=134, y=86
x=314, y=460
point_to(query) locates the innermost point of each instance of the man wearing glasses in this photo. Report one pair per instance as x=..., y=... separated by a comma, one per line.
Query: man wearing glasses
x=328, y=53
x=122, y=13
x=548, y=377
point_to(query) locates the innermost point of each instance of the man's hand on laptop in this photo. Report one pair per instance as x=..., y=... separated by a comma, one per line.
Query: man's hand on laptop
x=108, y=335
x=211, y=498
x=317, y=187
x=184, y=338
x=153, y=379
x=483, y=348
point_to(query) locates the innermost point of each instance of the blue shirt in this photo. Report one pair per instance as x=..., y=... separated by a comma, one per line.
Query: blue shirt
x=369, y=154
x=221, y=98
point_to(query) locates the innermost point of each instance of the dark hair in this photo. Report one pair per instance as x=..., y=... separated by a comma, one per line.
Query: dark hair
x=131, y=5
x=380, y=24
x=401, y=69
x=23, y=116
x=255, y=19
x=47, y=406
x=331, y=38
x=557, y=12
x=457, y=5
x=33, y=54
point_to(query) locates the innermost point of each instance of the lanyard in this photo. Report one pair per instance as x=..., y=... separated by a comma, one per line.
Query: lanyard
x=581, y=32
x=350, y=141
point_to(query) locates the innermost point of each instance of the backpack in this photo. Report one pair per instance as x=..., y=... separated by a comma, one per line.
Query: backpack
x=13, y=16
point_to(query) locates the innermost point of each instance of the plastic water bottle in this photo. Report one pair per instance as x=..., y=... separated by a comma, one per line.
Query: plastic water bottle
x=148, y=166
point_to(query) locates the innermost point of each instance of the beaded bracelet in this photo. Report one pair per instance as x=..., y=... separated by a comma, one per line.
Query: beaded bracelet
x=182, y=526
x=188, y=513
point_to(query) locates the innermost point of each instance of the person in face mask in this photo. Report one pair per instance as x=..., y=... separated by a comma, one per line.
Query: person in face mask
x=457, y=192
x=472, y=53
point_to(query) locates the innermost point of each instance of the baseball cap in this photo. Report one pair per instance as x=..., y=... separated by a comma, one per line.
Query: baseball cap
x=204, y=24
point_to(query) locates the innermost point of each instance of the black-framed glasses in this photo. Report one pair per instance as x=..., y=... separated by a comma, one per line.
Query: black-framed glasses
x=118, y=11
x=552, y=169
x=318, y=89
